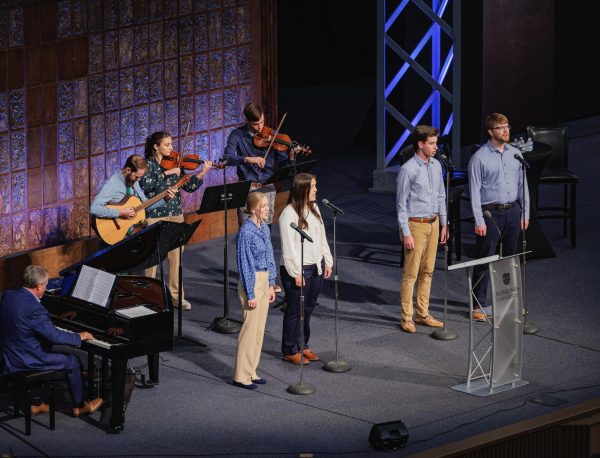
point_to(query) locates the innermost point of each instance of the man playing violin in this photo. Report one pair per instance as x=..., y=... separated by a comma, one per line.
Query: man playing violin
x=158, y=179
x=250, y=159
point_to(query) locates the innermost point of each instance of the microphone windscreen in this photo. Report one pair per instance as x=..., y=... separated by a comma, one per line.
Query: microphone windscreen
x=293, y=225
x=325, y=201
x=487, y=214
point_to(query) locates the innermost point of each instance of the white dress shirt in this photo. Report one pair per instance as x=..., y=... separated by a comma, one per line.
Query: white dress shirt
x=290, y=242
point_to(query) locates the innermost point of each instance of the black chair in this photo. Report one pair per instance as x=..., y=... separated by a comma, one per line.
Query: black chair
x=454, y=218
x=556, y=171
x=23, y=386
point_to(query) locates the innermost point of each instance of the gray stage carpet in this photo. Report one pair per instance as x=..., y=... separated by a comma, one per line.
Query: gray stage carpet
x=195, y=411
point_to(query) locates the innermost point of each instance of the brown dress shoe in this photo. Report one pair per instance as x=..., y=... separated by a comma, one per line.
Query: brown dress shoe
x=294, y=359
x=88, y=407
x=408, y=326
x=429, y=321
x=310, y=355
x=42, y=408
x=478, y=315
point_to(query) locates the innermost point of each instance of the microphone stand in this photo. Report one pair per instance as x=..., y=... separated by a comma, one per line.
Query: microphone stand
x=528, y=328
x=488, y=215
x=443, y=333
x=301, y=387
x=338, y=365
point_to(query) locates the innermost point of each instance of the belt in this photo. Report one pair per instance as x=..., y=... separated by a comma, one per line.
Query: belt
x=423, y=220
x=256, y=184
x=499, y=206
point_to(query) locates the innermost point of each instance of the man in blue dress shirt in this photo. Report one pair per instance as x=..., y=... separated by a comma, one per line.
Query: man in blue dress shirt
x=421, y=206
x=496, y=186
x=249, y=159
x=27, y=335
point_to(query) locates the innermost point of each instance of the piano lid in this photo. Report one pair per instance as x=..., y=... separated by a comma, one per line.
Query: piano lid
x=130, y=254
x=138, y=251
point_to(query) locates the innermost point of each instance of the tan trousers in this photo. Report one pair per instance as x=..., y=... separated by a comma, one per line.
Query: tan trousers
x=419, y=264
x=173, y=260
x=253, y=330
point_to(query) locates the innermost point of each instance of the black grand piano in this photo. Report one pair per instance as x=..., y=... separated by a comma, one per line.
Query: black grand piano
x=119, y=337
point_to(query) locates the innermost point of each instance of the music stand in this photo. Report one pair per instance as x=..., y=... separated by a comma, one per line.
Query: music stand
x=222, y=198
x=174, y=236
x=290, y=171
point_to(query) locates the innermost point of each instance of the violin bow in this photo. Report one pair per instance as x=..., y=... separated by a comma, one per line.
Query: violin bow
x=187, y=131
x=275, y=135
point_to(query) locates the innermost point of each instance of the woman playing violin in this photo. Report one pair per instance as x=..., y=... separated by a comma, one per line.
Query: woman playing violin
x=156, y=180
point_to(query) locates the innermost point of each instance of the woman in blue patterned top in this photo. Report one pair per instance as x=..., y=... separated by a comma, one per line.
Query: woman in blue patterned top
x=257, y=278
x=155, y=181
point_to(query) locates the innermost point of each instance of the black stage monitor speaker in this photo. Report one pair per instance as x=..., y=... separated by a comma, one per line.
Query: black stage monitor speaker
x=388, y=436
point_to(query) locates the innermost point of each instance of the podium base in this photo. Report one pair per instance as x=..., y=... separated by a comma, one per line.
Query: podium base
x=337, y=366
x=301, y=388
x=444, y=334
x=530, y=329
x=481, y=387
x=225, y=325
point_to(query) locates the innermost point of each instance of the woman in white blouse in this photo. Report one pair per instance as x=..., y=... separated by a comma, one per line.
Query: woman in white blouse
x=302, y=209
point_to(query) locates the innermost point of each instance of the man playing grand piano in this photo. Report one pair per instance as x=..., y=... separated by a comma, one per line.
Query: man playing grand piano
x=27, y=335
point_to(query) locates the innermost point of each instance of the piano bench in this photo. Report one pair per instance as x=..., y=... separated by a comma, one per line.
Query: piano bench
x=24, y=384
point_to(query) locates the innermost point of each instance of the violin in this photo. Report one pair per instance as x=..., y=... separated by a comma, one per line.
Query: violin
x=187, y=162
x=281, y=142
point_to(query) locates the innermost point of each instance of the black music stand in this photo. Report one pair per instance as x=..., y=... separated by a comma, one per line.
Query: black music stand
x=291, y=171
x=214, y=200
x=172, y=237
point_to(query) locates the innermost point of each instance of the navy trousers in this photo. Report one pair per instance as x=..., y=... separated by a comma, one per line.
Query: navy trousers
x=509, y=223
x=291, y=343
x=71, y=366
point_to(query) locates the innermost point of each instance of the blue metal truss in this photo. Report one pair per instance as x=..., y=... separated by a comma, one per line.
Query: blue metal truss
x=440, y=66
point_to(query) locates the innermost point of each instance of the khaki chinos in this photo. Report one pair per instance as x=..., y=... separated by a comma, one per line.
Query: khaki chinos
x=173, y=260
x=253, y=330
x=419, y=264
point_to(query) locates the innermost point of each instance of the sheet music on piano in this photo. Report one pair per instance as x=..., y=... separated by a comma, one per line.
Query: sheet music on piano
x=94, y=285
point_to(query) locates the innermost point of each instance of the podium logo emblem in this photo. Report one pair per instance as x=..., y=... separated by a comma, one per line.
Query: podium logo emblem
x=506, y=278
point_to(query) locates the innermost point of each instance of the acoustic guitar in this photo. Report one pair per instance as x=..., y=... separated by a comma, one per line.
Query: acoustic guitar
x=113, y=230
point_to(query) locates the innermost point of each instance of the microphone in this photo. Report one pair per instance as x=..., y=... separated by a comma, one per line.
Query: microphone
x=447, y=161
x=523, y=162
x=488, y=215
x=332, y=207
x=301, y=232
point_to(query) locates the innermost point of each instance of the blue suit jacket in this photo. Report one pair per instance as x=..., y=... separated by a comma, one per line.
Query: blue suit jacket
x=27, y=333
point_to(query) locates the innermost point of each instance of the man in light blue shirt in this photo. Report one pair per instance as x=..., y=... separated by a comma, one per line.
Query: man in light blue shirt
x=496, y=186
x=421, y=205
x=120, y=185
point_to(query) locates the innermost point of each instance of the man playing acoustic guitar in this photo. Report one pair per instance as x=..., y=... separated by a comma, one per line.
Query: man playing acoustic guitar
x=118, y=188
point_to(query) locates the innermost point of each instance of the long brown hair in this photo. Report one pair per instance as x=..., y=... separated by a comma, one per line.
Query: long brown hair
x=298, y=199
x=152, y=140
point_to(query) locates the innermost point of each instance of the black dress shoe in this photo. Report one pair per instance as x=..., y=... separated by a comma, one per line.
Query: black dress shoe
x=250, y=386
x=259, y=381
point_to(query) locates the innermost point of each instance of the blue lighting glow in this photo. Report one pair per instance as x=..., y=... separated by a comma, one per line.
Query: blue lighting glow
x=437, y=74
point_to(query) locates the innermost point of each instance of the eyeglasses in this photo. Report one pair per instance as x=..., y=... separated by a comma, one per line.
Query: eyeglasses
x=506, y=127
